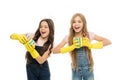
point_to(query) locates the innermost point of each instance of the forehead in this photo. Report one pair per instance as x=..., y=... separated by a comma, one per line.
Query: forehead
x=44, y=23
x=77, y=18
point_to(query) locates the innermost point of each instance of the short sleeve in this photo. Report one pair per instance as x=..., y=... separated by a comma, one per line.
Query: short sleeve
x=30, y=35
x=91, y=35
x=66, y=39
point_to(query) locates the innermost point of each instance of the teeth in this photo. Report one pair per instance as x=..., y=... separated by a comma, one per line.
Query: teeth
x=77, y=27
x=43, y=32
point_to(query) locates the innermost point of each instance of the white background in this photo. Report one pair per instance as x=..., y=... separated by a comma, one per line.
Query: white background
x=22, y=16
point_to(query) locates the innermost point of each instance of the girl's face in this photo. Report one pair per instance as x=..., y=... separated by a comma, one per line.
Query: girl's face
x=77, y=24
x=44, y=29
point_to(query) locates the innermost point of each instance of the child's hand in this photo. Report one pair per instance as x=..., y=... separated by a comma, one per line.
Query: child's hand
x=30, y=47
x=20, y=37
x=86, y=42
x=77, y=42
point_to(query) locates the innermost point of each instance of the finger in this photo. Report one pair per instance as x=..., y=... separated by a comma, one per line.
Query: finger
x=23, y=38
x=29, y=47
x=13, y=36
x=75, y=41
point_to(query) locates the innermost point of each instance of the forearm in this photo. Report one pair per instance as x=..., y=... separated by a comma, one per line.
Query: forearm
x=42, y=59
x=106, y=42
x=56, y=50
x=67, y=49
x=97, y=45
x=63, y=50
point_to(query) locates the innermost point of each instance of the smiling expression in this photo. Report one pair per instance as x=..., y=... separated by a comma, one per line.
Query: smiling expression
x=44, y=29
x=77, y=24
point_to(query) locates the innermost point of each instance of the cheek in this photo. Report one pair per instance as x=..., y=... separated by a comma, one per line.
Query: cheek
x=39, y=30
x=81, y=25
x=73, y=28
x=48, y=31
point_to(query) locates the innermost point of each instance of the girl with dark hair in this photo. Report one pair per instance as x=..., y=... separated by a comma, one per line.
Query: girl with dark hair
x=39, y=47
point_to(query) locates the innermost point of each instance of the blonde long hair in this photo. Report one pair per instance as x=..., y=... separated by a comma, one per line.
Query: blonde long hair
x=84, y=34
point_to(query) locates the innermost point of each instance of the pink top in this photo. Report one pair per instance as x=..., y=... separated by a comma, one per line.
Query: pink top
x=91, y=35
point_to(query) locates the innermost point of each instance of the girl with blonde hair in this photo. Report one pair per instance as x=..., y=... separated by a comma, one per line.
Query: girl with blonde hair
x=81, y=55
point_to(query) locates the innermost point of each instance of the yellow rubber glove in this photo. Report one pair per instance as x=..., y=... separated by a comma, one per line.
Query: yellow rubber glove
x=31, y=48
x=76, y=44
x=86, y=42
x=20, y=37
x=67, y=49
x=97, y=45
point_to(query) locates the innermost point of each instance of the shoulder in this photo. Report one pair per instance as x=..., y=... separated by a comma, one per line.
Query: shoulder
x=91, y=35
x=30, y=35
x=66, y=38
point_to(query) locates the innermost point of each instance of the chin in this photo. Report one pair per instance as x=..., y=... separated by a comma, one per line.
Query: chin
x=44, y=36
x=77, y=31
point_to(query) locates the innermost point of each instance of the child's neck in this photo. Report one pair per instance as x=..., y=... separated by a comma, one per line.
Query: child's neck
x=43, y=39
x=78, y=35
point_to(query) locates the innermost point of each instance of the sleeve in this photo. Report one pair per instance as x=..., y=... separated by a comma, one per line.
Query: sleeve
x=29, y=35
x=66, y=38
x=91, y=35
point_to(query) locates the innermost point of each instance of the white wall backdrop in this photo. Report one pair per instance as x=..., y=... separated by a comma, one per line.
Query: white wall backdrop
x=22, y=16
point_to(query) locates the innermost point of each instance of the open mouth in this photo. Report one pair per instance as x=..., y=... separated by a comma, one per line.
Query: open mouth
x=77, y=27
x=43, y=32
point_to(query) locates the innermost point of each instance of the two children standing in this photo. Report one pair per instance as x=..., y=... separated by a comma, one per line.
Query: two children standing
x=39, y=46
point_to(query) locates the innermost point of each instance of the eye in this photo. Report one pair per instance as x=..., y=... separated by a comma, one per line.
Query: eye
x=73, y=21
x=46, y=26
x=40, y=26
x=79, y=21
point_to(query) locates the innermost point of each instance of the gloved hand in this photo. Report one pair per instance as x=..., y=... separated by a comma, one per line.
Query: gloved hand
x=20, y=37
x=86, y=42
x=31, y=48
x=76, y=44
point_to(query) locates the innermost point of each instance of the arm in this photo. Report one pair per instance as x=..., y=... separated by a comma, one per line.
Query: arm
x=59, y=46
x=100, y=42
x=87, y=43
x=61, y=49
x=43, y=58
x=31, y=49
x=105, y=41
